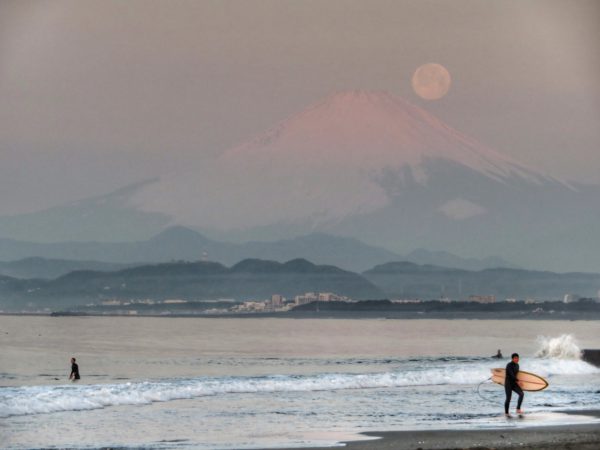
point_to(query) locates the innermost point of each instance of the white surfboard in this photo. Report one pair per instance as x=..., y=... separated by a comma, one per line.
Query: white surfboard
x=526, y=380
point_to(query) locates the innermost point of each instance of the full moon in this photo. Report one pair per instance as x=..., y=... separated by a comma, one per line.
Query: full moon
x=431, y=81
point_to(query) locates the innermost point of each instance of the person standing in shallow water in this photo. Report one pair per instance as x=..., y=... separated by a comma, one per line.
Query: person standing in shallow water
x=511, y=384
x=74, y=371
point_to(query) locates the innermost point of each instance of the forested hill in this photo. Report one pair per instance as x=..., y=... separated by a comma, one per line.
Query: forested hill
x=249, y=279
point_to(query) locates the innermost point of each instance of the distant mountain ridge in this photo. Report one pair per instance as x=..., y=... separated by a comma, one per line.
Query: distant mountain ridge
x=197, y=281
x=259, y=279
x=98, y=218
x=447, y=259
x=402, y=279
x=180, y=243
x=36, y=267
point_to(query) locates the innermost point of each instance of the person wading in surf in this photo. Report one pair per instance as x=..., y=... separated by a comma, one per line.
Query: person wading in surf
x=74, y=371
x=511, y=384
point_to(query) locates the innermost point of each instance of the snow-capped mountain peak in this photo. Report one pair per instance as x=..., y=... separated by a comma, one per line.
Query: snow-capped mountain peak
x=329, y=162
x=373, y=130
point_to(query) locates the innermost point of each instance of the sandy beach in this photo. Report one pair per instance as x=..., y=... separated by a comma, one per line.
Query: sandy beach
x=560, y=437
x=580, y=437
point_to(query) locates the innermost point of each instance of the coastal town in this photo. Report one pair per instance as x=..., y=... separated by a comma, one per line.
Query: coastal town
x=328, y=302
x=278, y=302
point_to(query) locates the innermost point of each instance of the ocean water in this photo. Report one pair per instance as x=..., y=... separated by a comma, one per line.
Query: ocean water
x=259, y=383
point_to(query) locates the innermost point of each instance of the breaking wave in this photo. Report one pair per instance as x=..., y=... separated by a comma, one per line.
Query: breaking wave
x=49, y=399
x=561, y=347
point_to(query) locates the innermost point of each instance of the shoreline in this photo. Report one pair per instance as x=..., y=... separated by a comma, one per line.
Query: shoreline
x=584, y=436
x=379, y=315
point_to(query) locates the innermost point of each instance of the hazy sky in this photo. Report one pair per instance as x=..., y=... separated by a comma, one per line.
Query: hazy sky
x=97, y=94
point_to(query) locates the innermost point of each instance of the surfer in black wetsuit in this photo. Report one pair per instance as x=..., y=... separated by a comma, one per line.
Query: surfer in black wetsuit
x=511, y=384
x=74, y=371
x=498, y=355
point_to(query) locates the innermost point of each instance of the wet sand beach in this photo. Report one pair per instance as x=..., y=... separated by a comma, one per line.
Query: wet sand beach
x=559, y=437
x=580, y=437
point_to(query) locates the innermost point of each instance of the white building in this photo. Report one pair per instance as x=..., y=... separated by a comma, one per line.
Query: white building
x=277, y=301
x=308, y=297
x=249, y=307
x=331, y=297
x=482, y=298
x=111, y=302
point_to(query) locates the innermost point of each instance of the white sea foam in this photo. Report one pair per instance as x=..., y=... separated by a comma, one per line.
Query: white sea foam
x=561, y=347
x=48, y=399
x=558, y=367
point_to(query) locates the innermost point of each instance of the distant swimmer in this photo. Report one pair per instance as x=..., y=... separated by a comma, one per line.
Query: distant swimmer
x=511, y=384
x=498, y=355
x=74, y=371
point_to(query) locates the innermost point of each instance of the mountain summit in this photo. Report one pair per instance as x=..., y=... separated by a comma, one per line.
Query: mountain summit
x=374, y=130
x=348, y=154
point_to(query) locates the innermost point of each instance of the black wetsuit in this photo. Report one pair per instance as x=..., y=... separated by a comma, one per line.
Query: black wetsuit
x=75, y=371
x=510, y=385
